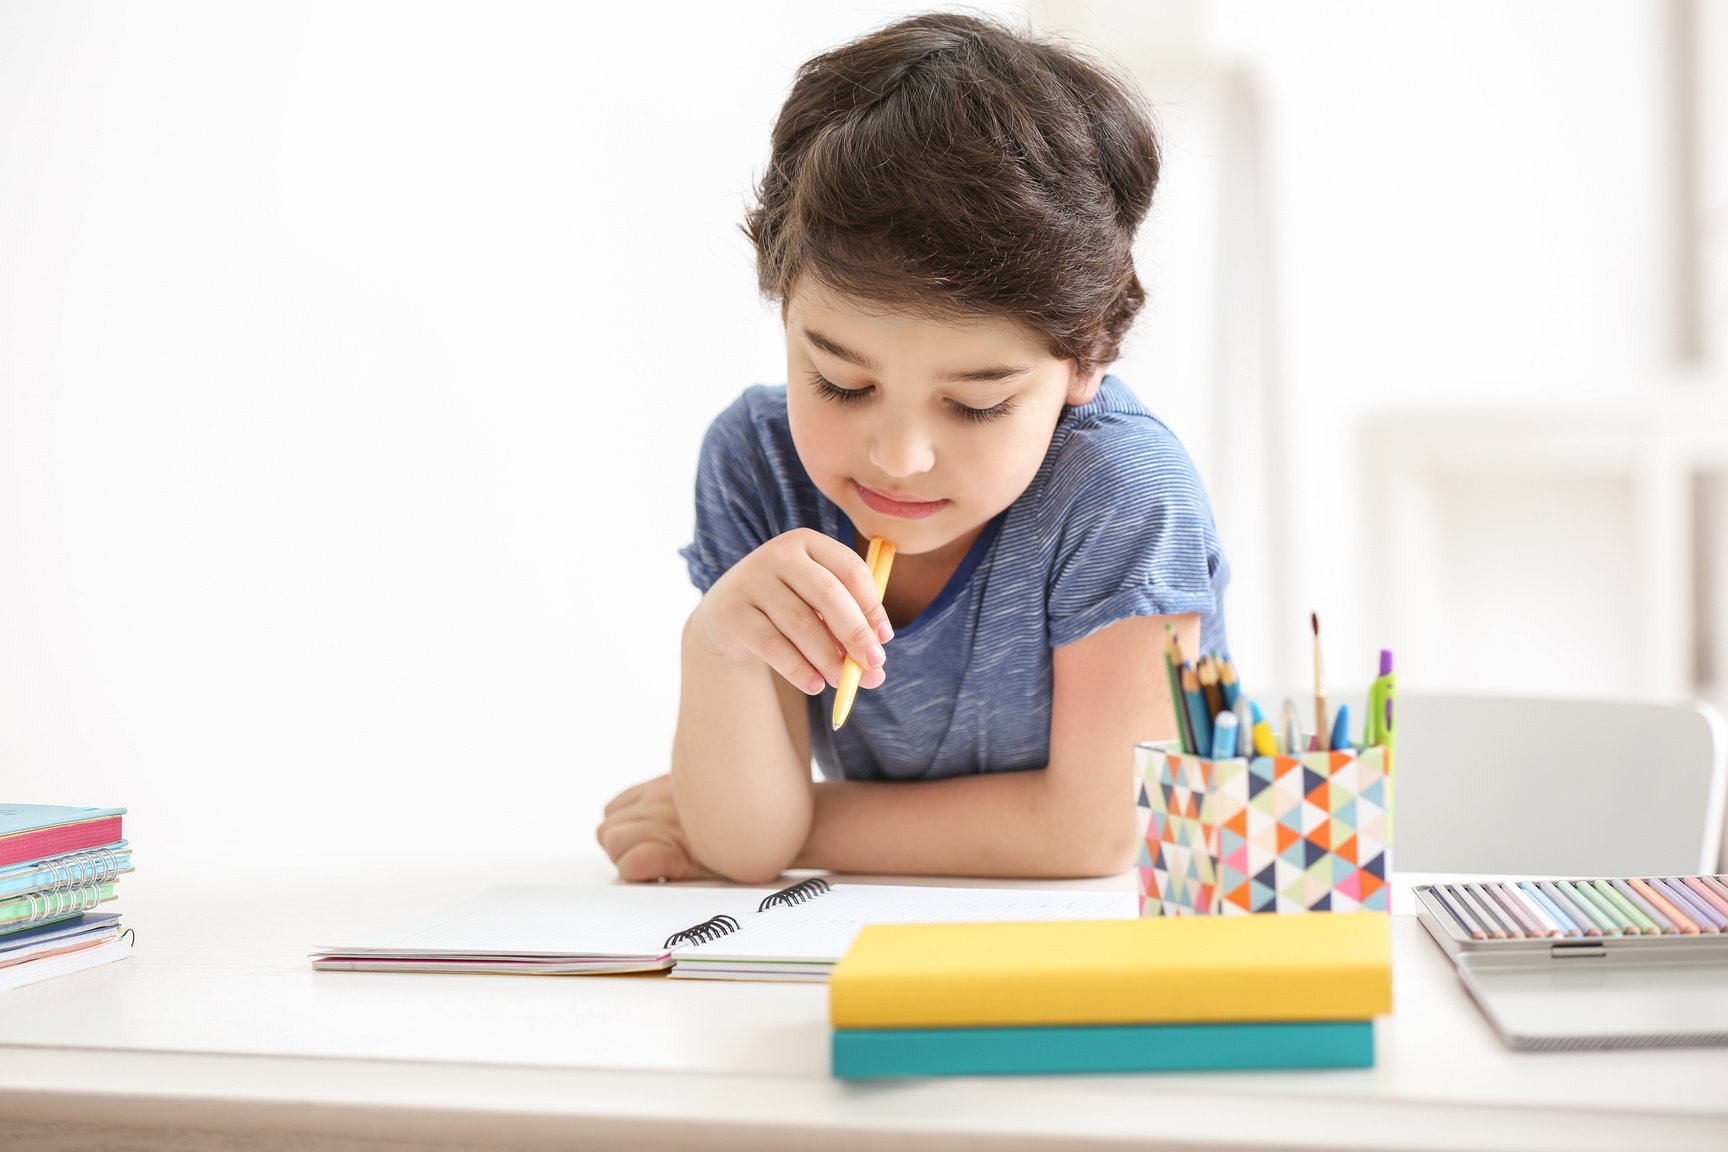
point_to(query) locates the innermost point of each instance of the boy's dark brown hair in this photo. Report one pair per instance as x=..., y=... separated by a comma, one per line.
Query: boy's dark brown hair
x=952, y=165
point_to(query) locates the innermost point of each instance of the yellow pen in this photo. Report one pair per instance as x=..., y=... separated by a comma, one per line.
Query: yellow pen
x=1265, y=744
x=880, y=557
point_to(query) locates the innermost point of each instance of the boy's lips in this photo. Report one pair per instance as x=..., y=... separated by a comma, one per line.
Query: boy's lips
x=898, y=506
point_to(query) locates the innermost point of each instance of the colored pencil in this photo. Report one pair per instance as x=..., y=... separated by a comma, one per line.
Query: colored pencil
x=1539, y=909
x=1715, y=882
x=1568, y=926
x=1479, y=927
x=1586, y=923
x=1664, y=925
x=1498, y=917
x=1588, y=906
x=1617, y=919
x=1641, y=924
x=1178, y=706
x=1198, y=720
x=1708, y=920
x=1682, y=922
x=1191, y=734
x=1508, y=898
x=1229, y=682
x=1440, y=897
x=1207, y=671
x=1490, y=923
x=1719, y=903
x=1485, y=896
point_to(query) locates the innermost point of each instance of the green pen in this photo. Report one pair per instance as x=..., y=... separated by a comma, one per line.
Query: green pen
x=1381, y=723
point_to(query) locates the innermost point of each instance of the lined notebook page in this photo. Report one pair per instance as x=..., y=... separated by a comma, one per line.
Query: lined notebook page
x=820, y=930
x=625, y=920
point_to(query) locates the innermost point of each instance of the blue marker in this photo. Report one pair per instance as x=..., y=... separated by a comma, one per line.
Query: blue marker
x=1341, y=730
x=1224, y=730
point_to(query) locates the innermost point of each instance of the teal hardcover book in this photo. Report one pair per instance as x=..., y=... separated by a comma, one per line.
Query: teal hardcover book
x=865, y=1054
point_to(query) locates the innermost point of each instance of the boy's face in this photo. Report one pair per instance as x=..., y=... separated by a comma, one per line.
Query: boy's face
x=921, y=430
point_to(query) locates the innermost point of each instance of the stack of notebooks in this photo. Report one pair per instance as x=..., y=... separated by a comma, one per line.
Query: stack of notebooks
x=57, y=866
x=1154, y=994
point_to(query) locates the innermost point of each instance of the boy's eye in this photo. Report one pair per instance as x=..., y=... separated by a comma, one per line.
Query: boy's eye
x=829, y=390
x=985, y=415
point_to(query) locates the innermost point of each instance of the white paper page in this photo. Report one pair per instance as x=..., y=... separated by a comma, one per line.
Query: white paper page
x=823, y=928
x=19, y=975
x=615, y=920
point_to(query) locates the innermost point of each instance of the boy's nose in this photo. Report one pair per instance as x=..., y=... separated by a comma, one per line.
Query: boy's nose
x=902, y=449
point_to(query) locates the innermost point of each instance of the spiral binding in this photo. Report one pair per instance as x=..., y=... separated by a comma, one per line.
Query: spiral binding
x=710, y=929
x=56, y=903
x=717, y=926
x=76, y=869
x=796, y=894
x=69, y=885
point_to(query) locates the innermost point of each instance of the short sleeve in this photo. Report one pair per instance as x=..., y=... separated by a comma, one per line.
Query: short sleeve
x=1134, y=532
x=732, y=476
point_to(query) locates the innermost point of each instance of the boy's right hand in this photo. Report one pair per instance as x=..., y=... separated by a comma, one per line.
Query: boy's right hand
x=801, y=603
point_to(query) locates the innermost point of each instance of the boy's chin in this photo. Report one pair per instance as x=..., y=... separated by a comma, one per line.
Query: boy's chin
x=919, y=537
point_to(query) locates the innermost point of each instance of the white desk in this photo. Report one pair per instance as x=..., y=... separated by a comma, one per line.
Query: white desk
x=216, y=1034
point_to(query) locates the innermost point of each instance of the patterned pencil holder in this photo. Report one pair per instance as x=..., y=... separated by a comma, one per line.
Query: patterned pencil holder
x=1307, y=833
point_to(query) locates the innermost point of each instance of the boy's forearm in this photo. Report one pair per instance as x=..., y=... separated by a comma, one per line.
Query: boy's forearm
x=999, y=824
x=743, y=794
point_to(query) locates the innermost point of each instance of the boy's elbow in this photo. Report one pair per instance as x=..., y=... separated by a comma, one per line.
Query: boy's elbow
x=1111, y=857
x=1095, y=848
x=746, y=863
x=750, y=872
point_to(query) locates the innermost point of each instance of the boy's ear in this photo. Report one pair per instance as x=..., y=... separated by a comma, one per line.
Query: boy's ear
x=1084, y=385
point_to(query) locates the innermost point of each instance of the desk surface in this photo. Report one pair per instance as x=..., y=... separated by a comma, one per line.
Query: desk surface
x=217, y=1026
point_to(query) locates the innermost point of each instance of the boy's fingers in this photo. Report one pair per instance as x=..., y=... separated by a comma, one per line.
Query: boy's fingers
x=842, y=614
x=625, y=799
x=795, y=642
x=770, y=645
x=850, y=569
x=660, y=787
x=656, y=860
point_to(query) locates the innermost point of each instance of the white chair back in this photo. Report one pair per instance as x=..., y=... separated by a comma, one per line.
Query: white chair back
x=1560, y=786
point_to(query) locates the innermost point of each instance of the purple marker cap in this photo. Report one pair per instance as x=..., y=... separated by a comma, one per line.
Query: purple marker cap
x=1385, y=661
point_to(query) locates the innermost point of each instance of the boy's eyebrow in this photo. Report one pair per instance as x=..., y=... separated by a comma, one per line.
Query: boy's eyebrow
x=859, y=360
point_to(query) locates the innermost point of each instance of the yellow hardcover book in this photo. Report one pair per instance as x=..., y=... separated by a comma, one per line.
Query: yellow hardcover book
x=1157, y=970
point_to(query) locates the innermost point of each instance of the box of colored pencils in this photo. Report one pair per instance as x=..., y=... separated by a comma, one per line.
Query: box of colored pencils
x=1273, y=833
x=1531, y=915
x=1562, y=965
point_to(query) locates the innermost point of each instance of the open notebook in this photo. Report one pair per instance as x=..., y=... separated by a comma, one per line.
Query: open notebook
x=794, y=933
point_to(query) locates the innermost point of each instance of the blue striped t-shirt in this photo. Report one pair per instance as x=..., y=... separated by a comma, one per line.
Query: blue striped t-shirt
x=1115, y=524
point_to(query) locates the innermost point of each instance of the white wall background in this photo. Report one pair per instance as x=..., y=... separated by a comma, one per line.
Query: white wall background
x=354, y=357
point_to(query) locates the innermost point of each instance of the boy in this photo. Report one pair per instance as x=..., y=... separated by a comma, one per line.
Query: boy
x=947, y=221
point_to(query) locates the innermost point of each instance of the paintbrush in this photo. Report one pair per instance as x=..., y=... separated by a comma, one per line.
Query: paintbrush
x=1320, y=725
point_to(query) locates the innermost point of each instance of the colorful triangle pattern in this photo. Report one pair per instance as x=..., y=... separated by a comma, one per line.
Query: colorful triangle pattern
x=1306, y=833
